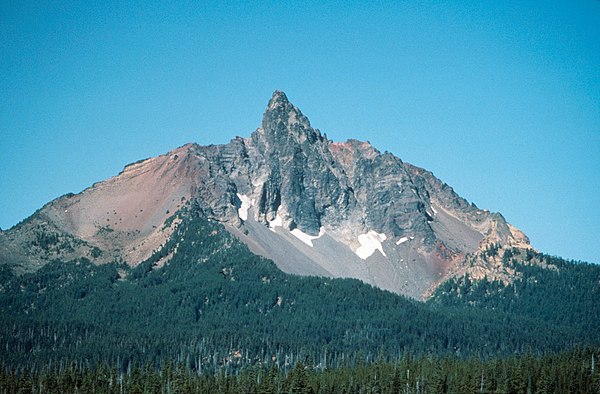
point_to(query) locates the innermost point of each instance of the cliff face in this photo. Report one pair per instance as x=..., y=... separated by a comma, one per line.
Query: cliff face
x=314, y=206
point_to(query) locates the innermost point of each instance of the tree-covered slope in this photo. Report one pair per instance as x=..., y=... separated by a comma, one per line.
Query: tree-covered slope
x=551, y=290
x=205, y=300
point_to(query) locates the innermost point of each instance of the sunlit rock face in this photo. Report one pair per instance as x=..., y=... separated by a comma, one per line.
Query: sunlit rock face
x=316, y=207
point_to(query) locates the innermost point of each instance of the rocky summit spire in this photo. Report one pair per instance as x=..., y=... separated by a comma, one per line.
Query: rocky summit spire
x=279, y=99
x=283, y=122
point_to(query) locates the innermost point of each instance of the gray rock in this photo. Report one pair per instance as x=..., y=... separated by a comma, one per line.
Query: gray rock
x=346, y=190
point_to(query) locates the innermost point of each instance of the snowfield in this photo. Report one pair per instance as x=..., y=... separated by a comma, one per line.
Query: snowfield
x=402, y=240
x=369, y=243
x=306, y=238
x=246, y=204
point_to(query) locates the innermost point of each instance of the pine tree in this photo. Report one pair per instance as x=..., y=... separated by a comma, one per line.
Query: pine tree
x=299, y=380
x=397, y=383
x=439, y=379
x=268, y=383
x=134, y=381
x=181, y=383
x=151, y=380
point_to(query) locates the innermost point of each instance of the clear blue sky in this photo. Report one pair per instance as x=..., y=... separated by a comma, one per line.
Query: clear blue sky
x=500, y=99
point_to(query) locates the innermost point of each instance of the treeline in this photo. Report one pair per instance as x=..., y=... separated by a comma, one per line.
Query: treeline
x=572, y=372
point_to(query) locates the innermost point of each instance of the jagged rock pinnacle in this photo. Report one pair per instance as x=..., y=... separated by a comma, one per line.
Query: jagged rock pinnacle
x=283, y=123
x=279, y=99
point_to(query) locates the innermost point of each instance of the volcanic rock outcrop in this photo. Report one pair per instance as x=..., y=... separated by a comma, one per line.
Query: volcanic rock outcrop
x=316, y=207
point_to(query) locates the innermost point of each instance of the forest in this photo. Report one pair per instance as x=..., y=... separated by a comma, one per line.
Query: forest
x=570, y=372
x=216, y=317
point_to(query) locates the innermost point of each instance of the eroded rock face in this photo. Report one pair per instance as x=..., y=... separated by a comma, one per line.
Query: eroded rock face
x=312, y=205
x=300, y=173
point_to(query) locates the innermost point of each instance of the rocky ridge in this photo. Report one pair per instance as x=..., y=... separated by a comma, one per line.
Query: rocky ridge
x=314, y=206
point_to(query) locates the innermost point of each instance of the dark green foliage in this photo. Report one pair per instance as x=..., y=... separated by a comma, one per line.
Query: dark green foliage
x=45, y=240
x=205, y=303
x=95, y=252
x=569, y=372
x=560, y=293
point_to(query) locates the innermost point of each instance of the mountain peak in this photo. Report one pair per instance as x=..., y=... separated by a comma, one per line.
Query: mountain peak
x=279, y=99
x=280, y=107
x=283, y=122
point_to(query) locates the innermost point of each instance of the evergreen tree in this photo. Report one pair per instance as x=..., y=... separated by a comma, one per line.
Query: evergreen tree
x=298, y=380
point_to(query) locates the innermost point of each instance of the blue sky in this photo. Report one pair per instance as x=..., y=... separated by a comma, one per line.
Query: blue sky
x=501, y=100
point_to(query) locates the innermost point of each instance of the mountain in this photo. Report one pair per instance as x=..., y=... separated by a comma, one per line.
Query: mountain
x=191, y=258
x=313, y=206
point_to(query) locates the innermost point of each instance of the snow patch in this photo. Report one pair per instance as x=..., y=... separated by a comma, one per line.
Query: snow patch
x=246, y=204
x=370, y=242
x=306, y=238
x=401, y=240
